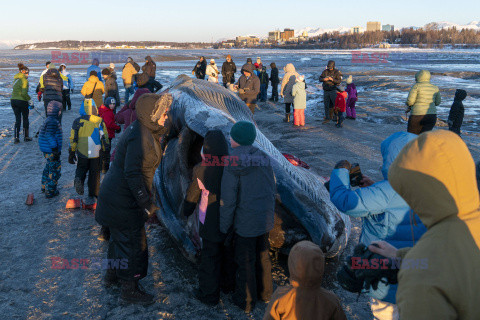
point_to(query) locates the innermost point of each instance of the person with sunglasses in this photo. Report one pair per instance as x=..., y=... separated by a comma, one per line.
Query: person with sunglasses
x=21, y=102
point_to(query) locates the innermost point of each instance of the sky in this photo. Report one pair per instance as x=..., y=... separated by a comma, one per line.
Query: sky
x=207, y=20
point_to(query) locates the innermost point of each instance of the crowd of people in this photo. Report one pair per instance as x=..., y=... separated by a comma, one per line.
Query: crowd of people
x=426, y=206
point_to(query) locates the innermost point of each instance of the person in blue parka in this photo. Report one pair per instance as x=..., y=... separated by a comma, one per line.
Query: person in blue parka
x=385, y=215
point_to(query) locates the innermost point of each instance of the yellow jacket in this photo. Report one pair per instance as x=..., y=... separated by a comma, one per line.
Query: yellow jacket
x=127, y=74
x=99, y=90
x=440, y=275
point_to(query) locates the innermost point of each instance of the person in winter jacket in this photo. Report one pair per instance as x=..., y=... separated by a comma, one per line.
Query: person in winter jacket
x=67, y=86
x=457, y=111
x=38, y=91
x=212, y=71
x=150, y=69
x=228, y=71
x=88, y=142
x=130, y=69
x=340, y=105
x=50, y=143
x=385, y=215
x=438, y=277
x=274, y=81
x=263, y=77
x=217, y=267
x=304, y=298
x=248, y=86
x=111, y=67
x=330, y=79
x=94, y=67
x=106, y=113
x=127, y=198
x=247, y=204
x=352, y=99
x=258, y=66
x=299, y=101
x=200, y=68
x=20, y=102
x=288, y=82
x=51, y=84
x=93, y=89
x=111, y=87
x=127, y=114
x=422, y=101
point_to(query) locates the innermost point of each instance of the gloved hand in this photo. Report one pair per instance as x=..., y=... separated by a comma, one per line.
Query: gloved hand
x=72, y=157
x=241, y=91
x=118, y=130
x=39, y=95
x=343, y=164
x=30, y=106
x=56, y=154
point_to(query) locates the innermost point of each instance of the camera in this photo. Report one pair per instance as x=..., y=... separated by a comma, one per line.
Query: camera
x=356, y=177
x=366, y=269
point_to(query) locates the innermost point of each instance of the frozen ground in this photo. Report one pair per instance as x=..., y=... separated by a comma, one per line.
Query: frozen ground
x=31, y=236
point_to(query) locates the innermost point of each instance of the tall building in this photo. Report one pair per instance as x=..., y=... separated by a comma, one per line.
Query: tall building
x=388, y=27
x=274, y=36
x=287, y=34
x=374, y=26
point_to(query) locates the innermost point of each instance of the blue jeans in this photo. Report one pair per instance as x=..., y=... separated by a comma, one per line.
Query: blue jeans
x=263, y=91
x=128, y=91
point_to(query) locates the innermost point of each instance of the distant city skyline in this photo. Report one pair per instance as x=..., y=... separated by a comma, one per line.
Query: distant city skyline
x=205, y=21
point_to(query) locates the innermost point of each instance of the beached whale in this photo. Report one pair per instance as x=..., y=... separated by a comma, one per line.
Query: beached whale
x=303, y=208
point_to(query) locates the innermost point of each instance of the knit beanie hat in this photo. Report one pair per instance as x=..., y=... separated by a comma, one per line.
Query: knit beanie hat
x=109, y=101
x=243, y=133
x=106, y=72
x=349, y=79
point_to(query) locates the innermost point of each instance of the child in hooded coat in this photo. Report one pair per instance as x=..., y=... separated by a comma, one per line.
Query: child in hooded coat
x=217, y=267
x=50, y=143
x=352, y=98
x=106, y=113
x=304, y=298
x=299, y=101
x=457, y=111
x=340, y=105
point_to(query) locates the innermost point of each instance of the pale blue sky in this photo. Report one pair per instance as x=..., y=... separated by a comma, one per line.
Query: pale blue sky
x=188, y=20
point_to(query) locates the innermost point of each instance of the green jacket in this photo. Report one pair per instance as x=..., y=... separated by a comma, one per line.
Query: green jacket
x=424, y=96
x=20, y=87
x=299, y=95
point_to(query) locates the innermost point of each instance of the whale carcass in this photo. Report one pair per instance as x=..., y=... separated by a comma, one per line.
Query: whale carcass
x=303, y=209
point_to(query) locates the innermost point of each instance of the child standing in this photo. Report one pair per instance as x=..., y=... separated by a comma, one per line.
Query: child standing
x=263, y=76
x=340, y=105
x=50, y=143
x=305, y=298
x=106, y=113
x=88, y=137
x=217, y=267
x=299, y=101
x=352, y=98
x=457, y=111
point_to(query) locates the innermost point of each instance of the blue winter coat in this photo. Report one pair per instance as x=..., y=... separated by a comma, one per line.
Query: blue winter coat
x=50, y=136
x=97, y=69
x=385, y=215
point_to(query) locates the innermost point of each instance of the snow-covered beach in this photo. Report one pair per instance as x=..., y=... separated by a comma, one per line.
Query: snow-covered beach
x=31, y=236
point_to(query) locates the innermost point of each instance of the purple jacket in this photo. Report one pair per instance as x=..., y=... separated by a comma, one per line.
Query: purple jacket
x=352, y=91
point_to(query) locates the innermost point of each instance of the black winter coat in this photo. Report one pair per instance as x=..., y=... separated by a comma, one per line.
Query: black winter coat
x=331, y=85
x=53, y=85
x=200, y=69
x=263, y=77
x=274, y=76
x=457, y=111
x=228, y=72
x=111, y=89
x=127, y=188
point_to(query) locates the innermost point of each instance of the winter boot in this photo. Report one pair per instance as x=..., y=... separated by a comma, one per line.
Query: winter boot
x=16, y=135
x=104, y=234
x=78, y=183
x=287, y=117
x=132, y=292
x=26, y=136
x=110, y=279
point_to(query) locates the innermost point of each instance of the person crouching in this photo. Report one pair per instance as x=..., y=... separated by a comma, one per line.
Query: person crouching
x=50, y=142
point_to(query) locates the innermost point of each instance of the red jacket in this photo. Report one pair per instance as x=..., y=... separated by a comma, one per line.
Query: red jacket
x=107, y=115
x=341, y=101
